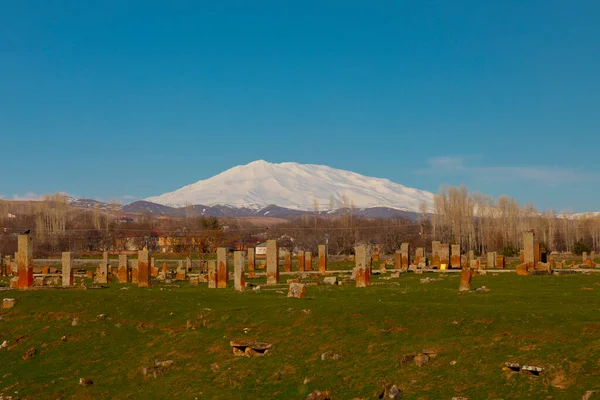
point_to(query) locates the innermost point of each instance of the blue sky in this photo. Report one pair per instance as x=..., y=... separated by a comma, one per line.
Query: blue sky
x=122, y=100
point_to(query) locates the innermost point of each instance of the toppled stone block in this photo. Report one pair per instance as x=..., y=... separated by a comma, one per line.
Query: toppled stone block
x=86, y=381
x=297, y=290
x=8, y=303
x=516, y=367
x=330, y=355
x=250, y=349
x=533, y=369
x=330, y=280
x=390, y=392
x=421, y=359
x=29, y=353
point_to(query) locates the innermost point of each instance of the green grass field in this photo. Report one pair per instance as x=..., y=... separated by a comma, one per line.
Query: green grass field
x=547, y=321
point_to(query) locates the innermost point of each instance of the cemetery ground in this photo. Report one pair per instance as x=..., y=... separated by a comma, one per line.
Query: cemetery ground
x=546, y=321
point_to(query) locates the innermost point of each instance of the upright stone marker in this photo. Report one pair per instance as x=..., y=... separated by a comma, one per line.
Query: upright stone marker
x=251, y=262
x=500, y=262
x=322, y=258
x=67, y=269
x=444, y=255
x=465, y=280
x=102, y=274
x=105, y=258
x=491, y=259
x=471, y=256
x=420, y=257
x=25, y=262
x=213, y=276
x=181, y=271
x=239, y=259
x=134, y=271
x=405, y=250
x=123, y=270
x=362, y=257
x=188, y=264
x=272, y=263
x=301, y=261
x=455, y=261
x=529, y=248
x=435, y=253
x=144, y=268
x=287, y=261
x=308, y=261
x=223, y=274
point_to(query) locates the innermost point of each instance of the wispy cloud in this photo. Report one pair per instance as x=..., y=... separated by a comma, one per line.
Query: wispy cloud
x=128, y=197
x=543, y=174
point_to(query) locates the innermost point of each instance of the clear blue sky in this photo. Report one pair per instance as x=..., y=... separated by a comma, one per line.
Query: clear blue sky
x=107, y=99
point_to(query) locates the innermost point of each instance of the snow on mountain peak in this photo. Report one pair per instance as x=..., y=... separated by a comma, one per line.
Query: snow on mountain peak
x=295, y=186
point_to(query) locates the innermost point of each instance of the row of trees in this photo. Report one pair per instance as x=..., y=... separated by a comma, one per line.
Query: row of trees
x=484, y=223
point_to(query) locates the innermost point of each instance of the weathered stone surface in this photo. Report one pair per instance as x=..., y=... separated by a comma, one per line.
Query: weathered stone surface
x=390, y=392
x=318, y=395
x=524, y=269
x=444, y=250
x=272, y=263
x=144, y=269
x=67, y=269
x=500, y=262
x=455, y=257
x=123, y=269
x=287, y=261
x=491, y=259
x=239, y=259
x=421, y=359
x=222, y=270
x=8, y=303
x=322, y=258
x=308, y=261
x=420, y=260
x=250, y=349
x=180, y=272
x=133, y=267
x=405, y=251
x=362, y=257
x=213, y=276
x=398, y=259
x=301, y=261
x=251, y=262
x=102, y=274
x=25, y=262
x=297, y=290
x=435, y=253
x=528, y=248
x=465, y=280
x=330, y=280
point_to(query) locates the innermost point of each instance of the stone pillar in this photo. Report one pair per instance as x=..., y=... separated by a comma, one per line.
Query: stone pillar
x=25, y=262
x=67, y=269
x=362, y=258
x=491, y=259
x=529, y=248
x=287, y=261
x=102, y=274
x=213, y=276
x=251, y=262
x=105, y=258
x=398, y=259
x=308, y=261
x=223, y=274
x=500, y=262
x=239, y=258
x=455, y=258
x=8, y=265
x=123, y=269
x=272, y=263
x=181, y=272
x=444, y=255
x=405, y=250
x=420, y=257
x=300, y=260
x=435, y=253
x=144, y=269
x=322, y=258
x=465, y=280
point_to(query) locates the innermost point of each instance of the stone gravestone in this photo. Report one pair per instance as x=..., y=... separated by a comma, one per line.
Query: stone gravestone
x=25, y=262
x=153, y=267
x=435, y=253
x=102, y=274
x=584, y=256
x=465, y=280
x=105, y=257
x=223, y=274
x=308, y=261
x=300, y=260
x=491, y=259
x=272, y=263
x=239, y=259
x=213, y=276
x=529, y=250
x=444, y=255
x=405, y=250
x=420, y=260
x=322, y=258
x=188, y=264
x=455, y=259
x=144, y=269
x=398, y=259
x=362, y=257
x=181, y=272
x=67, y=269
x=287, y=261
x=123, y=269
x=500, y=262
x=134, y=271
x=251, y=262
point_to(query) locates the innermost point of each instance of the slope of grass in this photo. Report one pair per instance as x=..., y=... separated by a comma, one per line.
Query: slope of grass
x=547, y=321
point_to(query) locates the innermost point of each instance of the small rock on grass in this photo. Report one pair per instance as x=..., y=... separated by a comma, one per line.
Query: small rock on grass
x=86, y=381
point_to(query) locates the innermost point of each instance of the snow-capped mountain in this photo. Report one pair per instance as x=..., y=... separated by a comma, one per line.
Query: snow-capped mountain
x=295, y=186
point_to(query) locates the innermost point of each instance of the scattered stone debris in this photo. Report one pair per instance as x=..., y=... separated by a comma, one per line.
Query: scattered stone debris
x=318, y=395
x=297, y=290
x=101, y=316
x=432, y=353
x=8, y=303
x=4, y=344
x=407, y=358
x=256, y=288
x=453, y=362
x=482, y=289
x=250, y=349
x=390, y=392
x=214, y=367
x=157, y=368
x=75, y=321
x=306, y=312
x=516, y=367
x=29, y=353
x=460, y=398
x=330, y=355
x=588, y=395
x=421, y=359
x=533, y=369
x=64, y=339
x=330, y=280
x=86, y=381
x=308, y=380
